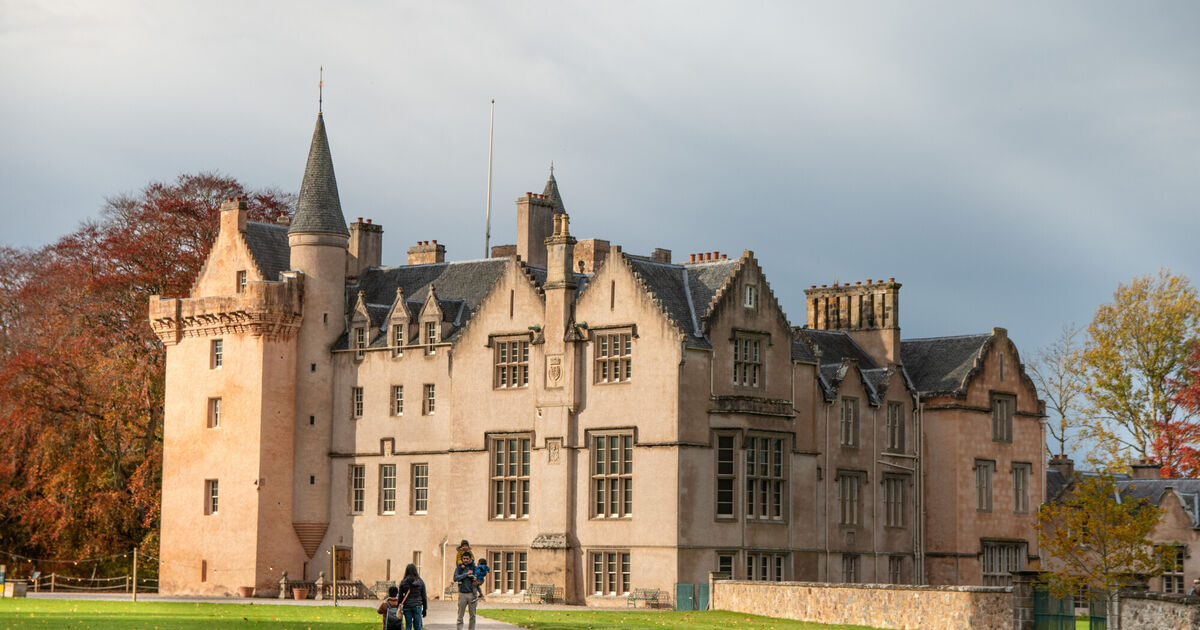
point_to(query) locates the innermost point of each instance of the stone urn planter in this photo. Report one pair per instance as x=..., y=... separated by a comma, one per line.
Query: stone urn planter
x=300, y=593
x=246, y=591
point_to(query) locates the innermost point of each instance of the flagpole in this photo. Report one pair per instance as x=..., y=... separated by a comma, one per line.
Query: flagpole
x=487, y=230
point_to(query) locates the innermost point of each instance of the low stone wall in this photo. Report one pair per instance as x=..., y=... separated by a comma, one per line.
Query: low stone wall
x=875, y=605
x=1159, y=611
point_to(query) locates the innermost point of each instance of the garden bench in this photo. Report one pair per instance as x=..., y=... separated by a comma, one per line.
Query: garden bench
x=541, y=592
x=648, y=595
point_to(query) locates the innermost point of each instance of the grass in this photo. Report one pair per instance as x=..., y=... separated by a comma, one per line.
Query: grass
x=586, y=619
x=33, y=614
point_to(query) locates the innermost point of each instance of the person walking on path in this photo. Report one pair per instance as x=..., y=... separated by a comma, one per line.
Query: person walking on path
x=412, y=593
x=464, y=574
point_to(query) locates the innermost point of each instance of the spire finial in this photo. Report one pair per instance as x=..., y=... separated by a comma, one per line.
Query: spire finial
x=552, y=168
x=321, y=91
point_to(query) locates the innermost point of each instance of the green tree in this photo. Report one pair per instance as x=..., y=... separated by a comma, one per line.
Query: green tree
x=1134, y=357
x=1096, y=541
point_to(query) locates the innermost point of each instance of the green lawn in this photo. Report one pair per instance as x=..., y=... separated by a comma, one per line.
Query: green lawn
x=32, y=614
x=584, y=619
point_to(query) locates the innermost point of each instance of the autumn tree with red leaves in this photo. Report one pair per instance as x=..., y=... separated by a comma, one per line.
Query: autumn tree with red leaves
x=1179, y=435
x=81, y=373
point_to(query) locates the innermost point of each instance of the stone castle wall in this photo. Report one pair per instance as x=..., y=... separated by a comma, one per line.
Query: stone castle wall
x=875, y=605
x=1157, y=611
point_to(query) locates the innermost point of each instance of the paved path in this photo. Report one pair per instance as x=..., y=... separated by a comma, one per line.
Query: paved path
x=442, y=615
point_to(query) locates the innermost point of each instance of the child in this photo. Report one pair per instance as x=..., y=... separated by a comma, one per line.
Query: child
x=481, y=571
x=463, y=547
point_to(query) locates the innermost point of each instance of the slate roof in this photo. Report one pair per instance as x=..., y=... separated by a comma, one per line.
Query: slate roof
x=834, y=345
x=319, y=209
x=1055, y=482
x=685, y=292
x=269, y=246
x=940, y=365
x=1153, y=490
x=459, y=286
x=551, y=191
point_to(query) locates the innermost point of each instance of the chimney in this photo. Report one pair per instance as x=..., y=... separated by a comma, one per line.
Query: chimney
x=1063, y=465
x=233, y=215
x=1145, y=469
x=283, y=219
x=869, y=313
x=426, y=252
x=366, y=247
x=661, y=255
x=535, y=223
x=503, y=251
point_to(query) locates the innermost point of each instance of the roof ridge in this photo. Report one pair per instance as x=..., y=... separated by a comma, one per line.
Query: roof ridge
x=942, y=337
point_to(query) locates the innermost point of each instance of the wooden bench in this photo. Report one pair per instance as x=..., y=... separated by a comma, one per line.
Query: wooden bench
x=648, y=595
x=543, y=593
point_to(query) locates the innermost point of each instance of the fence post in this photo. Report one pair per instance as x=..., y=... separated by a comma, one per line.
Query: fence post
x=135, y=574
x=1022, y=599
x=53, y=579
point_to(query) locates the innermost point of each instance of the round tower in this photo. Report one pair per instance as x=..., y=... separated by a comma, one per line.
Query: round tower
x=319, y=240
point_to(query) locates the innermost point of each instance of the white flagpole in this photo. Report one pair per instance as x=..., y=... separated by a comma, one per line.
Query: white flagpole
x=487, y=233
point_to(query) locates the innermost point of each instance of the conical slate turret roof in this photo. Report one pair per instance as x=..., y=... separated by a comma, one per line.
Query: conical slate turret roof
x=319, y=209
x=551, y=192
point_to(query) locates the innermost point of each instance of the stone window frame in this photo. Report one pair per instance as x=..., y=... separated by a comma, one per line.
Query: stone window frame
x=216, y=354
x=725, y=480
x=851, y=483
x=419, y=480
x=1022, y=475
x=212, y=496
x=749, y=358
x=356, y=402
x=1173, y=570
x=615, y=476
x=768, y=477
x=359, y=342
x=241, y=281
x=722, y=566
x=397, y=400
x=510, y=570
x=397, y=337
x=1003, y=408
x=356, y=487
x=612, y=354
x=850, y=568
x=750, y=296
x=429, y=399
x=895, y=499
x=611, y=570
x=895, y=423
x=896, y=569
x=985, y=474
x=510, y=360
x=384, y=499
x=213, y=412
x=999, y=558
x=510, y=481
x=431, y=336
x=849, y=430
x=766, y=566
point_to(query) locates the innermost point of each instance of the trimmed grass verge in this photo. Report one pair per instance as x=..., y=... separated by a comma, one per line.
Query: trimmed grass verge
x=33, y=614
x=596, y=619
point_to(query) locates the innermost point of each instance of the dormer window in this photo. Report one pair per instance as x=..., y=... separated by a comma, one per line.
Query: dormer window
x=431, y=334
x=241, y=281
x=360, y=342
x=750, y=296
x=397, y=340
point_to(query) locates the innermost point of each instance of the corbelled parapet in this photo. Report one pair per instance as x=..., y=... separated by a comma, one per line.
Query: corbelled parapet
x=265, y=309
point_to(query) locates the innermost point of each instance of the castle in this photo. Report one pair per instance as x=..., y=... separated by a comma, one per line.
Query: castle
x=588, y=418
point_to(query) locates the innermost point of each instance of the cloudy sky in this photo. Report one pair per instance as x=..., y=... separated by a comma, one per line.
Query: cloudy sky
x=1009, y=164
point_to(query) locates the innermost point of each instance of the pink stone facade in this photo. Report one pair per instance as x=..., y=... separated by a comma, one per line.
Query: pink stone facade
x=625, y=423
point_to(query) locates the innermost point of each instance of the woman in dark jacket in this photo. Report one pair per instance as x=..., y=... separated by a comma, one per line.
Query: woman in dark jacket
x=412, y=593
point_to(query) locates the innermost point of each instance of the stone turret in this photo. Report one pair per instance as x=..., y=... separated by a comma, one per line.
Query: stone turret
x=535, y=222
x=319, y=243
x=869, y=313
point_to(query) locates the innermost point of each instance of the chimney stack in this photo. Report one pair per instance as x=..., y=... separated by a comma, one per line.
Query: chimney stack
x=1063, y=465
x=869, y=312
x=1145, y=469
x=425, y=253
x=366, y=247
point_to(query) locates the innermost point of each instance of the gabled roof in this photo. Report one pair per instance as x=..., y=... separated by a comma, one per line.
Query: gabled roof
x=1153, y=490
x=268, y=244
x=461, y=286
x=834, y=346
x=685, y=292
x=319, y=209
x=941, y=365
